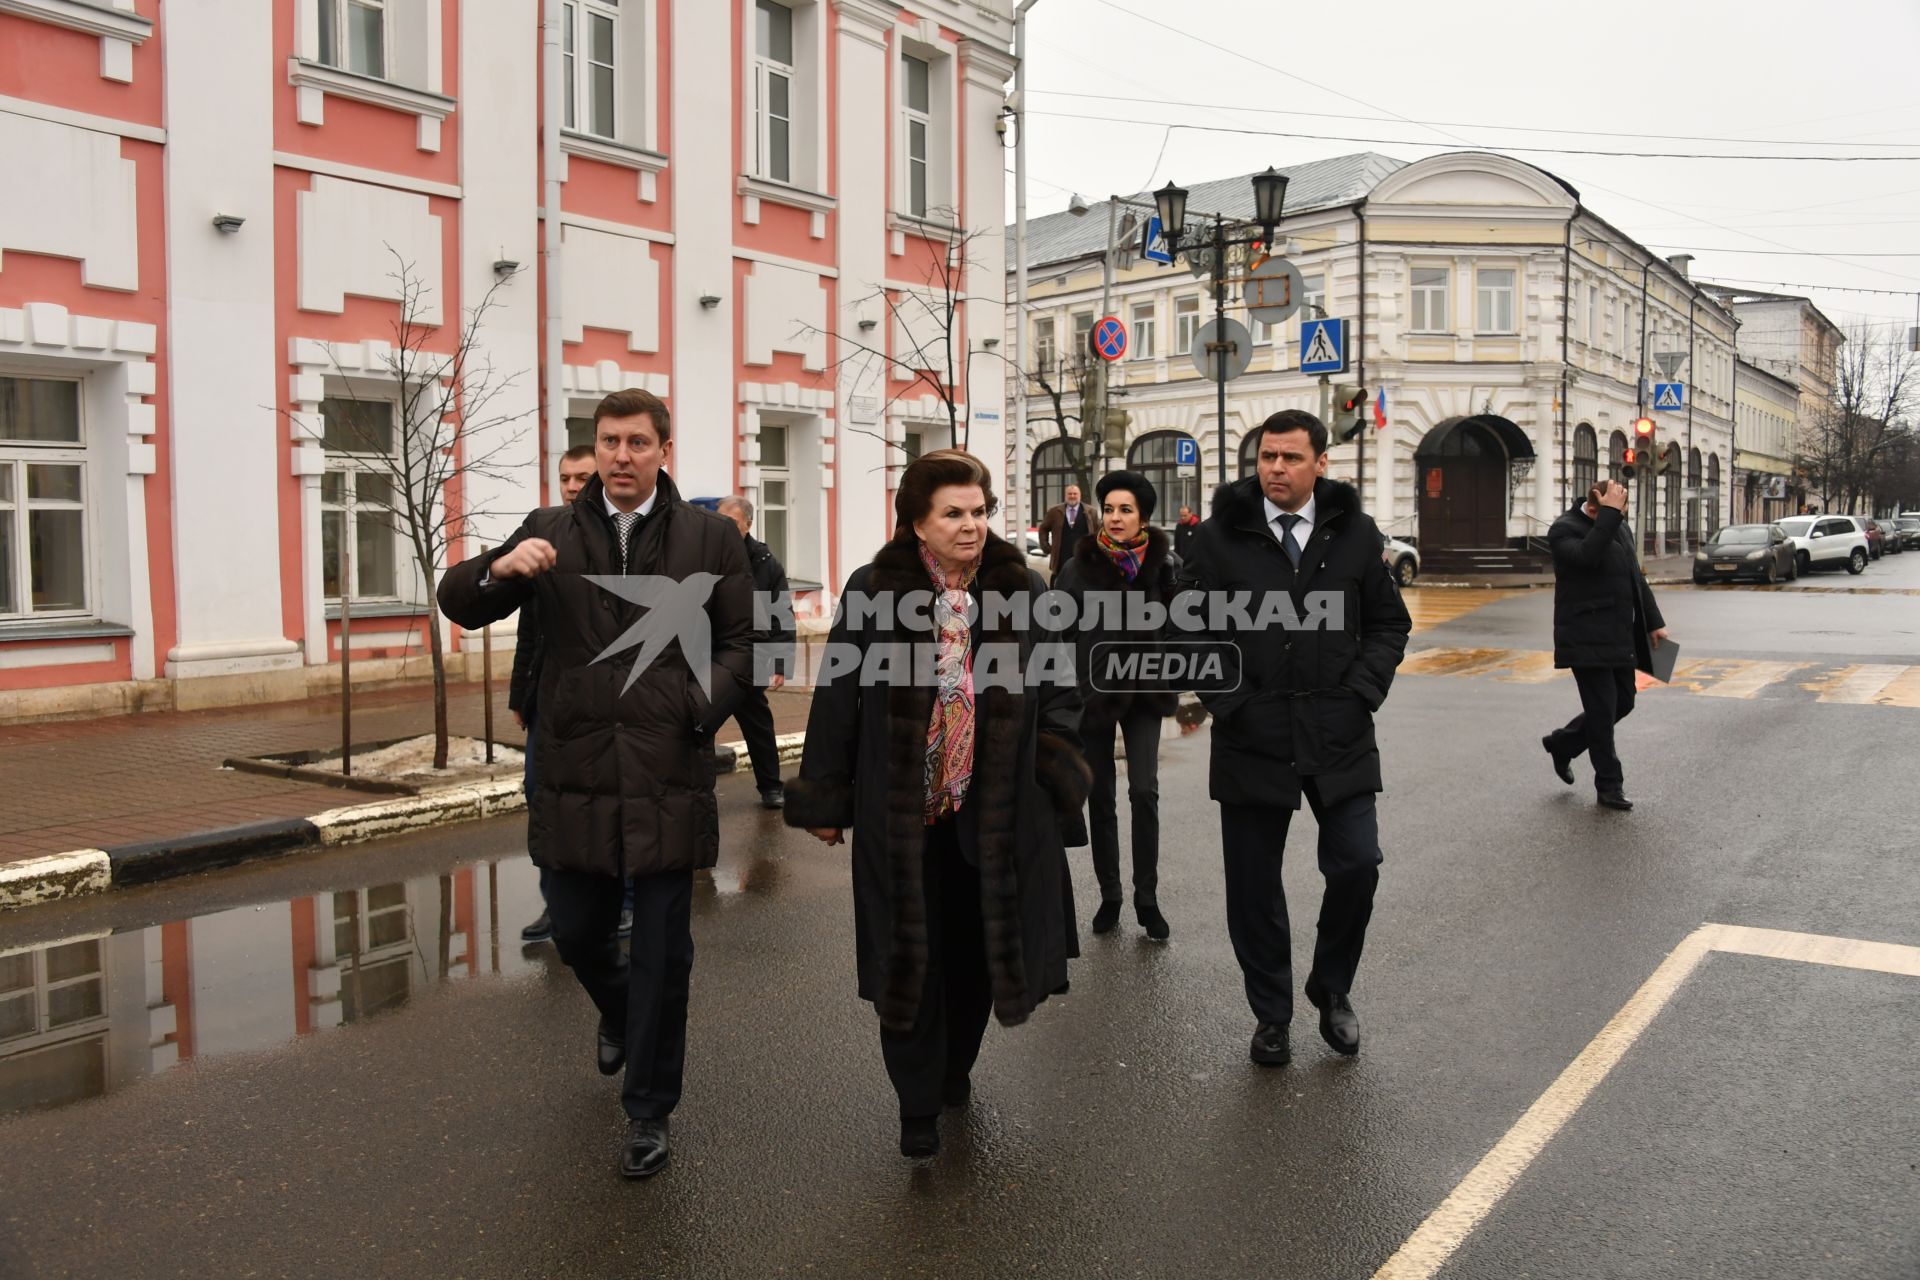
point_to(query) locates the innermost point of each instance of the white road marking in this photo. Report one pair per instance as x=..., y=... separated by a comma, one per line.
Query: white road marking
x=1448, y=1226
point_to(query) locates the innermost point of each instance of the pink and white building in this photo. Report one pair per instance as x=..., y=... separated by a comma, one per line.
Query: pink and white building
x=201, y=204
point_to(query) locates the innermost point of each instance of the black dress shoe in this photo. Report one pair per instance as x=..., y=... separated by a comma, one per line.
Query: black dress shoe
x=1562, y=765
x=957, y=1091
x=919, y=1137
x=613, y=1050
x=1270, y=1047
x=1616, y=800
x=1106, y=918
x=1339, y=1026
x=647, y=1149
x=1153, y=922
x=773, y=797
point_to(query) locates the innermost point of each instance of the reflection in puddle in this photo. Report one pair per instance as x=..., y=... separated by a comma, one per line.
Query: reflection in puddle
x=84, y=1016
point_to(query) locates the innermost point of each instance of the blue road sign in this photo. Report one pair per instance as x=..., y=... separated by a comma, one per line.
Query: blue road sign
x=1669, y=396
x=1323, y=346
x=1110, y=338
x=1153, y=245
x=1186, y=453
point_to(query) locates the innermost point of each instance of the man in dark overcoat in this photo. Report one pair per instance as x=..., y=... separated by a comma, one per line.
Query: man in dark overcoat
x=625, y=783
x=1606, y=625
x=1323, y=632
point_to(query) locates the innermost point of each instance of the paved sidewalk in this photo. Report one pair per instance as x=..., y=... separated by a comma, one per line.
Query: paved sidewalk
x=91, y=784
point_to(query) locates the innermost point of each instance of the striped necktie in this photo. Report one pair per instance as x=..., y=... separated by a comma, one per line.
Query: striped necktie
x=1287, y=520
x=623, y=523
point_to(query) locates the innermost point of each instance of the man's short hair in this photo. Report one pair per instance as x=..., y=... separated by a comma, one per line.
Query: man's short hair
x=1295, y=420
x=632, y=401
x=737, y=502
x=579, y=453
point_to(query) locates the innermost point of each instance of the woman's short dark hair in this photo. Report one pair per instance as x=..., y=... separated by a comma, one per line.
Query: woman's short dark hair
x=934, y=471
x=1295, y=420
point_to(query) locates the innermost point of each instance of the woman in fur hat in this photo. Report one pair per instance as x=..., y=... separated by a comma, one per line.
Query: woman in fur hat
x=958, y=789
x=1125, y=555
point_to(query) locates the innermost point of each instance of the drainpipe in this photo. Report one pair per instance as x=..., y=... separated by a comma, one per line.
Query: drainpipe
x=1016, y=471
x=552, y=110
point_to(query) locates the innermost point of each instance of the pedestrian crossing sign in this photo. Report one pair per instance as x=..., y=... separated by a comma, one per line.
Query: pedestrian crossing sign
x=1669, y=395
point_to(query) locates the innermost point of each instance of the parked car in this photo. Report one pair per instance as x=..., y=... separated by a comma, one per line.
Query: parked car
x=1876, y=536
x=1909, y=527
x=1402, y=559
x=1762, y=552
x=1826, y=542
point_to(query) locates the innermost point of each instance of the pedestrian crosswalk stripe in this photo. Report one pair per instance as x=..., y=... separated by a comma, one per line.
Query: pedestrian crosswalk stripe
x=1861, y=684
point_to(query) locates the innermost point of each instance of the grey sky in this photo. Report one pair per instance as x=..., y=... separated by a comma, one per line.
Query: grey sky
x=1837, y=73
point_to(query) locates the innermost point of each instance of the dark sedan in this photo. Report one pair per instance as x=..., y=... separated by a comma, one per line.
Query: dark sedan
x=1762, y=552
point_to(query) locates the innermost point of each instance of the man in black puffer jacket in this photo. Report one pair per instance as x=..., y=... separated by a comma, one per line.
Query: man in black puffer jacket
x=1319, y=633
x=1605, y=624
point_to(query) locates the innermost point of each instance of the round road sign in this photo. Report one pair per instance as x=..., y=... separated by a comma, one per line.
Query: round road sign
x=1274, y=290
x=1109, y=338
x=1223, y=336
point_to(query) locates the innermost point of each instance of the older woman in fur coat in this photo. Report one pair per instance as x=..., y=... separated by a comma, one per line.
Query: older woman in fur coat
x=1125, y=555
x=957, y=781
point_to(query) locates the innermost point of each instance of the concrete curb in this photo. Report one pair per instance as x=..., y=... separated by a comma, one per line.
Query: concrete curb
x=87, y=871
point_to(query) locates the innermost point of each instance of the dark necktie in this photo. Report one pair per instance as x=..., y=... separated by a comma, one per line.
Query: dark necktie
x=623, y=523
x=1287, y=520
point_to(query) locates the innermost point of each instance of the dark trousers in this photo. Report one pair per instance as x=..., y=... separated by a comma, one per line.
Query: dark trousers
x=647, y=996
x=755, y=718
x=957, y=998
x=1139, y=730
x=1606, y=698
x=1253, y=838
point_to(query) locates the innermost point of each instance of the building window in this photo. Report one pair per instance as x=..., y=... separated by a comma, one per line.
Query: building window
x=1186, y=322
x=43, y=499
x=357, y=499
x=776, y=490
x=1045, y=355
x=588, y=42
x=1493, y=310
x=1586, y=460
x=916, y=102
x=1141, y=342
x=1429, y=313
x=353, y=36
x=773, y=76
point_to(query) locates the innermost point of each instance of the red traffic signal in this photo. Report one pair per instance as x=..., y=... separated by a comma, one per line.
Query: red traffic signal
x=1643, y=427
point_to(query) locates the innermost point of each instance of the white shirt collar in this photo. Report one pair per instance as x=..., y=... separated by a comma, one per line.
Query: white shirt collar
x=644, y=509
x=1301, y=530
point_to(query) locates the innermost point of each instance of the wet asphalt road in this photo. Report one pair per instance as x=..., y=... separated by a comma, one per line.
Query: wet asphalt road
x=264, y=1104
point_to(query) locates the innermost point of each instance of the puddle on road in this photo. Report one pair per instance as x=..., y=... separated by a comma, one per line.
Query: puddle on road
x=88, y=1015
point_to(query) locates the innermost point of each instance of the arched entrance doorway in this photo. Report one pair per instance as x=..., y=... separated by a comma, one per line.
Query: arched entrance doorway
x=1462, y=467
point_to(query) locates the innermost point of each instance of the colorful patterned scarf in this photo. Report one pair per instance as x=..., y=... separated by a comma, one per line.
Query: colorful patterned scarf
x=1126, y=556
x=949, y=760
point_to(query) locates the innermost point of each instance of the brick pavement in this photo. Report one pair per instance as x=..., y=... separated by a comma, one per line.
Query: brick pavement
x=78, y=784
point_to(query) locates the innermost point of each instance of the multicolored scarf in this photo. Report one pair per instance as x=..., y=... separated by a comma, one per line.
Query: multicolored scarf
x=1126, y=556
x=949, y=759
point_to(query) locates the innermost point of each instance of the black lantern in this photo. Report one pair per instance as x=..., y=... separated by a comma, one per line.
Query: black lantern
x=1171, y=201
x=1269, y=200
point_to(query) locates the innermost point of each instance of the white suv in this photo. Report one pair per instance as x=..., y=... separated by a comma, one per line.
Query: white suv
x=1827, y=541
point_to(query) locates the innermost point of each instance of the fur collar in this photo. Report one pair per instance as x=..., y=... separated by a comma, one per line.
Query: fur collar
x=1240, y=504
x=1104, y=573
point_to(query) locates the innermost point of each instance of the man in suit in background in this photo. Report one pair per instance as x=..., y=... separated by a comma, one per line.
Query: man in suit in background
x=1605, y=626
x=1064, y=525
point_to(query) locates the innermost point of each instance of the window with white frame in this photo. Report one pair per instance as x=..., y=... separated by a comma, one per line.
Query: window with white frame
x=1493, y=300
x=1045, y=354
x=1186, y=323
x=776, y=490
x=773, y=91
x=1429, y=312
x=916, y=118
x=353, y=36
x=358, y=502
x=589, y=58
x=44, y=571
x=1142, y=342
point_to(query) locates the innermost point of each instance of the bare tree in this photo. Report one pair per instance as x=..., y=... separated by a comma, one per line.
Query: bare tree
x=1847, y=451
x=428, y=426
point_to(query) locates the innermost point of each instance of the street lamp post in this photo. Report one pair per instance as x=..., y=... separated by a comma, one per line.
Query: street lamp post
x=1269, y=202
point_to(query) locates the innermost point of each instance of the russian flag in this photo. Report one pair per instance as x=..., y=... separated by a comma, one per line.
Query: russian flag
x=1380, y=410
